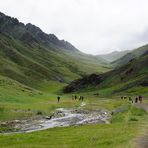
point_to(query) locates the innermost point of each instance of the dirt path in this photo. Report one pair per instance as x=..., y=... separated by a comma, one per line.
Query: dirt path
x=142, y=141
x=142, y=105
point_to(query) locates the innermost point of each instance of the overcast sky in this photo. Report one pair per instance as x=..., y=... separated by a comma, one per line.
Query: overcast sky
x=93, y=26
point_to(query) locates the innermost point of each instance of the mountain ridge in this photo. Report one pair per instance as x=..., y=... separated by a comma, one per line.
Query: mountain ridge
x=35, y=58
x=34, y=32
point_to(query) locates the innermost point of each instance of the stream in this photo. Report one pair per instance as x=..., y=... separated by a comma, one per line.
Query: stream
x=63, y=117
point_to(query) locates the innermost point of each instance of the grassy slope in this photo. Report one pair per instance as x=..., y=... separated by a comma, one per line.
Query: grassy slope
x=131, y=82
x=125, y=79
x=18, y=101
x=35, y=58
x=131, y=55
x=38, y=65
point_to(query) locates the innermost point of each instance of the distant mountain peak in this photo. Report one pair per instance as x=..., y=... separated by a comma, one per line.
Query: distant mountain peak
x=30, y=26
x=2, y=14
x=61, y=43
x=114, y=55
x=53, y=36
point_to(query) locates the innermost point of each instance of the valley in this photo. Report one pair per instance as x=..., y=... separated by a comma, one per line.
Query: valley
x=36, y=68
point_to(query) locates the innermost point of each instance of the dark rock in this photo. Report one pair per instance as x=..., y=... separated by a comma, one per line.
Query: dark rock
x=28, y=39
x=92, y=79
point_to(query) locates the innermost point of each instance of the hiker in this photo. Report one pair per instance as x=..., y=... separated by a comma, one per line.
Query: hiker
x=58, y=99
x=125, y=97
x=140, y=99
x=82, y=98
x=75, y=97
x=72, y=97
x=122, y=97
x=79, y=97
x=136, y=99
x=130, y=99
x=96, y=94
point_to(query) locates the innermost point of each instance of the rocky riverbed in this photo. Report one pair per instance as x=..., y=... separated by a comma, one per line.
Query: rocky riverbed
x=60, y=117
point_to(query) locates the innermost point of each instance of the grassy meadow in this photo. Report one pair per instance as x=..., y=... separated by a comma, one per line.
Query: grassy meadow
x=18, y=102
x=22, y=103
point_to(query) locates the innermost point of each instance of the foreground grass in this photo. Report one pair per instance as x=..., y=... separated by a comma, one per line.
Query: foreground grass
x=126, y=125
x=113, y=135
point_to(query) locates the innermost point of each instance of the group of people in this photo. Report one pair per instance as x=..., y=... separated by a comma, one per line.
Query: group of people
x=139, y=98
x=74, y=97
x=136, y=100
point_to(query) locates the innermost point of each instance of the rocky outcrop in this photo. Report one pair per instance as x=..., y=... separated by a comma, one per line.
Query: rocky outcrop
x=92, y=79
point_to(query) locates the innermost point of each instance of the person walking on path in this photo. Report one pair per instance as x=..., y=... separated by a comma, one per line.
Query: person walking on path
x=136, y=99
x=75, y=97
x=140, y=99
x=82, y=98
x=58, y=98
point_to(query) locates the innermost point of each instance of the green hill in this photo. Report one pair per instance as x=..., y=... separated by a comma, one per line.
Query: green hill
x=110, y=57
x=131, y=55
x=36, y=59
x=129, y=78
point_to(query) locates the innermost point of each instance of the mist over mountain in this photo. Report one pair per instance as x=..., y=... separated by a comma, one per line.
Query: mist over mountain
x=113, y=55
x=130, y=56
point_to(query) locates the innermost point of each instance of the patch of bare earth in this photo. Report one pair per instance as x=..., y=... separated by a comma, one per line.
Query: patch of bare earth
x=142, y=141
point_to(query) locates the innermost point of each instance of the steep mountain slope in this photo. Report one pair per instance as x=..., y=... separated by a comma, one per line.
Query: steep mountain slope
x=36, y=59
x=130, y=76
x=131, y=55
x=110, y=57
